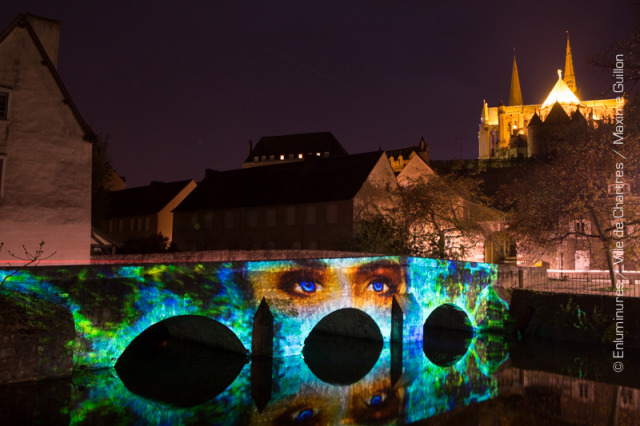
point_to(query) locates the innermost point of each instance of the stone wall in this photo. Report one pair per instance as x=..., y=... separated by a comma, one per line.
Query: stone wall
x=36, y=339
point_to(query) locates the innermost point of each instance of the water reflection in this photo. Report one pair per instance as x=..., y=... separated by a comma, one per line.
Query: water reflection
x=479, y=385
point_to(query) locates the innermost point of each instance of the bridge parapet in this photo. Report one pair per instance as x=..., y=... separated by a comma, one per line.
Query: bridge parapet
x=112, y=305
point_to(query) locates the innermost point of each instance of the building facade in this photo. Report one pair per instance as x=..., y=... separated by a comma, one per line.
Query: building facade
x=513, y=130
x=311, y=204
x=45, y=150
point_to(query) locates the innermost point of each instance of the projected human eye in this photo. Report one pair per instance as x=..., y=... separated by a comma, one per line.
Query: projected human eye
x=300, y=283
x=381, y=285
x=379, y=279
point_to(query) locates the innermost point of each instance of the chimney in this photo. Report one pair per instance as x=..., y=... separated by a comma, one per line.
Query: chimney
x=48, y=32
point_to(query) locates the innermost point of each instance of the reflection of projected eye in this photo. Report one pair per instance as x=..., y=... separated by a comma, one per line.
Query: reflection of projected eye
x=376, y=400
x=303, y=415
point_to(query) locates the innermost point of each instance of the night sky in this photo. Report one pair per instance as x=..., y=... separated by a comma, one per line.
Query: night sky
x=183, y=87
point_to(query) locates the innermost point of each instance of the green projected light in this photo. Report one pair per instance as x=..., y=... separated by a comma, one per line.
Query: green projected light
x=112, y=305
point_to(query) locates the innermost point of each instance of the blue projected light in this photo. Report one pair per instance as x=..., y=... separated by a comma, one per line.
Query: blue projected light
x=112, y=305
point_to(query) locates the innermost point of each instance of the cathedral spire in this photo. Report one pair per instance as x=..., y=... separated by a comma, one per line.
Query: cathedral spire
x=515, y=95
x=569, y=76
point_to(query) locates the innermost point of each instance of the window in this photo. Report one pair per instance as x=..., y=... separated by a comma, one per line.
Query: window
x=627, y=398
x=146, y=223
x=208, y=220
x=582, y=226
x=271, y=217
x=132, y=224
x=4, y=105
x=332, y=214
x=228, y=219
x=282, y=156
x=252, y=218
x=3, y=160
x=310, y=215
x=139, y=224
x=291, y=216
x=121, y=225
x=583, y=391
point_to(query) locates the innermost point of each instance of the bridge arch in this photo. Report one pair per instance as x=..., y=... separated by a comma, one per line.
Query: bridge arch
x=184, y=360
x=194, y=328
x=447, y=335
x=343, y=347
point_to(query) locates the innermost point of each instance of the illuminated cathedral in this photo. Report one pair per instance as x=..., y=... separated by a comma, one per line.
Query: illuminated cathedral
x=520, y=130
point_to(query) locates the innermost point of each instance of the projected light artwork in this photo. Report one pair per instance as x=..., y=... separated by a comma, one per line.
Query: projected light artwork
x=298, y=396
x=112, y=306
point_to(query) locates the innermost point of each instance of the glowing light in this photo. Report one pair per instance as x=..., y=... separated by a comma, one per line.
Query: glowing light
x=561, y=94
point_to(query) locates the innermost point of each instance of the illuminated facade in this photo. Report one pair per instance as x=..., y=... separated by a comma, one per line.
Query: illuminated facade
x=45, y=149
x=518, y=130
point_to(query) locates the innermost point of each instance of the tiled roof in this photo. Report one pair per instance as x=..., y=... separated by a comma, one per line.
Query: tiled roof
x=143, y=200
x=305, y=143
x=313, y=180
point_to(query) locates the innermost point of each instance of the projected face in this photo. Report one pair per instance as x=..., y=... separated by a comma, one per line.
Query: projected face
x=314, y=282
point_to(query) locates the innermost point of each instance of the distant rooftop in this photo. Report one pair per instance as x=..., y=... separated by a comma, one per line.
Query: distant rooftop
x=270, y=149
x=312, y=180
x=143, y=200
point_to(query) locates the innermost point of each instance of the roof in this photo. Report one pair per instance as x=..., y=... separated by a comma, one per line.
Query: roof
x=143, y=200
x=22, y=22
x=303, y=143
x=561, y=93
x=557, y=115
x=313, y=180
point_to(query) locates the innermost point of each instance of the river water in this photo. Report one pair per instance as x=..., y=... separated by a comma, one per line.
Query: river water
x=453, y=379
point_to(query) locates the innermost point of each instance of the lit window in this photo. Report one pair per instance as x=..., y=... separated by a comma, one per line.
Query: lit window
x=318, y=154
x=4, y=105
x=300, y=155
x=282, y=156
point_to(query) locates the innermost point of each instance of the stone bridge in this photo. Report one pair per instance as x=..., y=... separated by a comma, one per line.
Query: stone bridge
x=263, y=308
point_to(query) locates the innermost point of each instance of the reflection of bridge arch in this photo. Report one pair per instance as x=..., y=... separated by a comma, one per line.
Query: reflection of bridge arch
x=343, y=346
x=168, y=362
x=447, y=335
